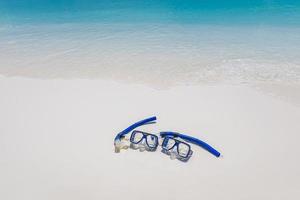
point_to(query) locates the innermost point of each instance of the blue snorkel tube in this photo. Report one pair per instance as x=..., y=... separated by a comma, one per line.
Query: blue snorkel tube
x=192, y=140
x=133, y=126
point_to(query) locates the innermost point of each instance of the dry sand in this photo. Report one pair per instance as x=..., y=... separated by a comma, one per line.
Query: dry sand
x=56, y=141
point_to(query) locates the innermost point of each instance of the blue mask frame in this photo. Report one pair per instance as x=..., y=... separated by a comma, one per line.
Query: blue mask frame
x=192, y=140
x=176, y=144
x=144, y=137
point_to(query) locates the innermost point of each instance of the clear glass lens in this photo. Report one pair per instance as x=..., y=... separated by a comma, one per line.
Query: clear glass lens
x=183, y=149
x=137, y=137
x=169, y=143
x=152, y=140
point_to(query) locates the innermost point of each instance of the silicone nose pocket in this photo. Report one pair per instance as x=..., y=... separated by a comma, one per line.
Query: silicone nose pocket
x=152, y=141
x=142, y=146
x=173, y=153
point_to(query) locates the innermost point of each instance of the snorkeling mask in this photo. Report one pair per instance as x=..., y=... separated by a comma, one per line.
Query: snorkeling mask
x=176, y=145
x=121, y=142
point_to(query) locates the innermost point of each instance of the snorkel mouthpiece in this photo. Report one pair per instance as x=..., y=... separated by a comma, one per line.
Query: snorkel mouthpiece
x=122, y=143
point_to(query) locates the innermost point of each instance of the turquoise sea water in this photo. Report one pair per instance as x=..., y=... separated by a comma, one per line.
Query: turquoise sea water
x=162, y=40
x=283, y=12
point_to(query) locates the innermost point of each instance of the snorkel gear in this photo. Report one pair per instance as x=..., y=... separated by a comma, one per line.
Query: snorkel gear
x=207, y=147
x=120, y=142
x=143, y=141
x=176, y=145
x=176, y=149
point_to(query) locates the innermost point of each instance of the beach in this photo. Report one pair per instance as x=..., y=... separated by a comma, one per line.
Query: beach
x=57, y=141
x=74, y=74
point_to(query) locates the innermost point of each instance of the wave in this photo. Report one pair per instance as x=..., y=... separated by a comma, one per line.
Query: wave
x=152, y=54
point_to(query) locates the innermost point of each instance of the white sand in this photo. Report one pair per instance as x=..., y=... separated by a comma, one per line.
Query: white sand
x=56, y=142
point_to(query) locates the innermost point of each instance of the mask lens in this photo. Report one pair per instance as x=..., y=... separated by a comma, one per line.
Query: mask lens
x=136, y=137
x=152, y=141
x=183, y=149
x=168, y=143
